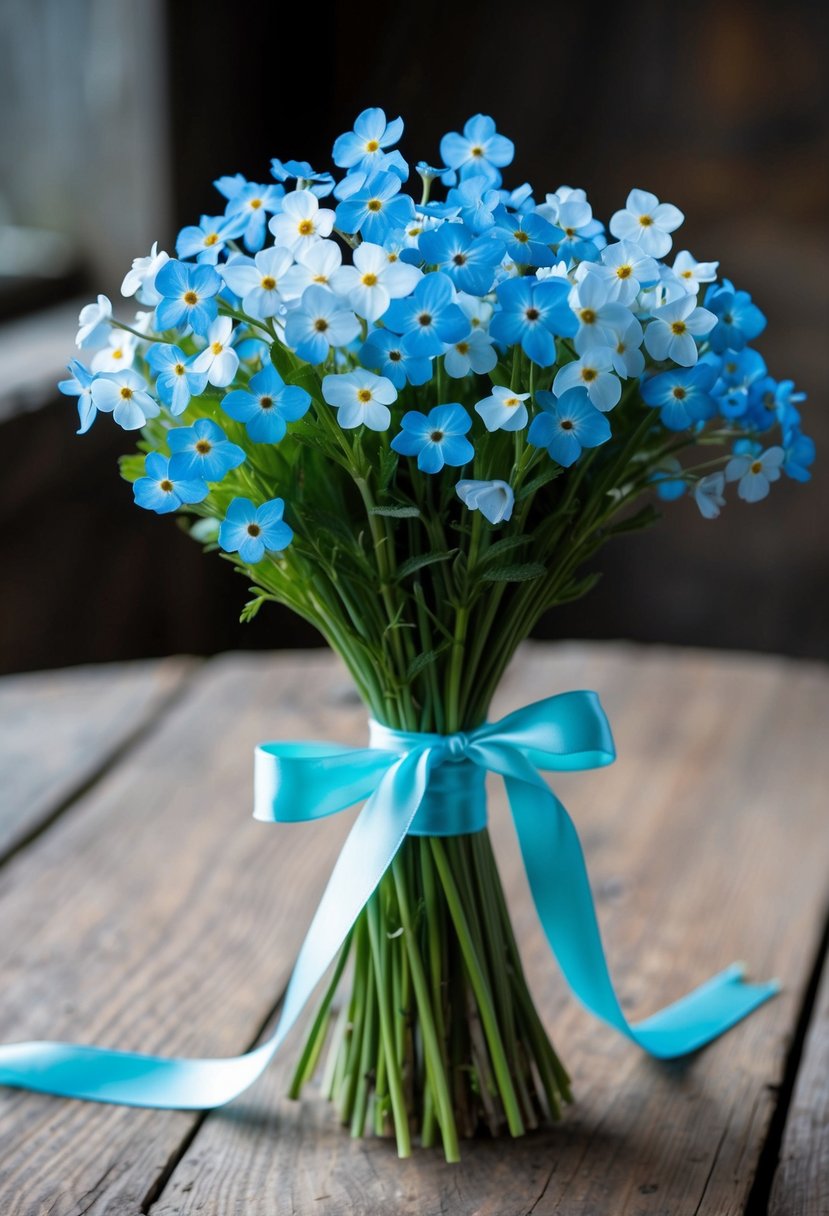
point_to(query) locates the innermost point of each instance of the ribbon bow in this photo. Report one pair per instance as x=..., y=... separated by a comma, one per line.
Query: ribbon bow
x=424, y=784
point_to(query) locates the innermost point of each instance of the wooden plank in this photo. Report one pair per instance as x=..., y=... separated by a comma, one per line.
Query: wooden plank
x=705, y=844
x=801, y=1183
x=58, y=729
x=158, y=916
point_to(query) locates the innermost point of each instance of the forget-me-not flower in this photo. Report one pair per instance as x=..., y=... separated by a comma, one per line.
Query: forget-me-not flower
x=468, y=259
x=566, y=425
x=247, y=211
x=252, y=531
x=738, y=319
x=176, y=380
x=218, y=359
x=124, y=395
x=203, y=450
x=479, y=151
x=474, y=352
x=258, y=281
x=365, y=147
x=437, y=438
x=267, y=405
x=316, y=263
x=429, y=317
x=594, y=372
x=165, y=487
x=373, y=281
x=755, y=473
x=709, y=495
x=504, y=410
x=188, y=294
x=671, y=333
x=300, y=221
x=319, y=322
x=139, y=281
x=203, y=241
x=494, y=499
x=647, y=222
x=531, y=313
x=682, y=396
x=361, y=399
x=79, y=385
x=385, y=352
x=375, y=207
x=95, y=322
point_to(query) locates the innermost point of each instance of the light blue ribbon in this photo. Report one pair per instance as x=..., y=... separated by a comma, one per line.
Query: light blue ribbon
x=431, y=785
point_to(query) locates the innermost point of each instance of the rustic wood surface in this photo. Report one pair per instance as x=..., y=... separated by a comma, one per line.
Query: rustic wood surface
x=151, y=913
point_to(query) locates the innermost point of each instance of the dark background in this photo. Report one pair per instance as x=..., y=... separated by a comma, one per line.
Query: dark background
x=720, y=108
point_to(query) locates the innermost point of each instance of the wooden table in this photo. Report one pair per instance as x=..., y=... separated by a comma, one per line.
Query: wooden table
x=142, y=908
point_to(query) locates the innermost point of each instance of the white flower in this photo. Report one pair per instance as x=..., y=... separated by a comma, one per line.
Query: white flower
x=626, y=268
x=477, y=311
x=139, y=281
x=258, y=280
x=494, y=499
x=600, y=318
x=361, y=399
x=504, y=410
x=592, y=371
x=708, y=494
x=373, y=281
x=648, y=222
x=218, y=358
x=301, y=221
x=671, y=333
x=626, y=356
x=691, y=272
x=118, y=354
x=316, y=263
x=95, y=323
x=124, y=395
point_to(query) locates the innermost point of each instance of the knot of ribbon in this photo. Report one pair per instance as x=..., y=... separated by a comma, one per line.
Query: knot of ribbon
x=413, y=783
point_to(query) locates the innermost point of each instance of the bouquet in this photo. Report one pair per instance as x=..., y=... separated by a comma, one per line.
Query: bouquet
x=412, y=406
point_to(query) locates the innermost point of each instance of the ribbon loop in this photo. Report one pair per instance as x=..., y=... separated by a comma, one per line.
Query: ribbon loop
x=414, y=784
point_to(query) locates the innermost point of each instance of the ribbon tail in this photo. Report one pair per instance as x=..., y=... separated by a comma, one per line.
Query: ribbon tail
x=129, y=1079
x=560, y=887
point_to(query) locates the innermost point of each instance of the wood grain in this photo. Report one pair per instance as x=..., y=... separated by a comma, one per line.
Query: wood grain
x=700, y=853
x=801, y=1184
x=59, y=728
x=156, y=916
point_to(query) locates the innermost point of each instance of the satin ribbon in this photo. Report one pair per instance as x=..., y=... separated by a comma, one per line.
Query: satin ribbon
x=413, y=783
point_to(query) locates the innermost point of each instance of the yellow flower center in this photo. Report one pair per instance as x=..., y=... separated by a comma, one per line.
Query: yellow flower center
x=686, y=274
x=512, y=402
x=190, y=297
x=364, y=395
x=179, y=369
x=211, y=238
x=374, y=204
x=477, y=150
x=372, y=145
x=521, y=235
x=269, y=282
x=256, y=203
x=588, y=374
x=678, y=327
x=305, y=227
x=623, y=272
x=216, y=348
x=369, y=280
x=462, y=348
x=126, y=393
x=645, y=221
x=587, y=316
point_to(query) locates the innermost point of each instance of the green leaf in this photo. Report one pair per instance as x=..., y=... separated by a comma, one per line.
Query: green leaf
x=504, y=545
x=578, y=588
x=548, y=474
x=515, y=574
x=396, y=512
x=422, y=661
x=252, y=606
x=420, y=560
x=131, y=467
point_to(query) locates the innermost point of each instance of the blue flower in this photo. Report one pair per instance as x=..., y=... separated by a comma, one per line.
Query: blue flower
x=474, y=352
x=124, y=395
x=267, y=405
x=80, y=385
x=429, y=317
x=469, y=260
x=361, y=399
x=251, y=531
x=800, y=454
x=176, y=381
x=437, y=438
x=247, y=211
x=738, y=319
x=476, y=201
x=755, y=472
x=165, y=487
x=386, y=353
x=531, y=313
x=494, y=499
x=95, y=322
x=529, y=238
x=257, y=280
x=668, y=480
x=203, y=241
x=683, y=397
x=364, y=147
x=709, y=496
x=480, y=151
x=188, y=296
x=306, y=178
x=319, y=323
x=203, y=450
x=566, y=425
x=375, y=207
